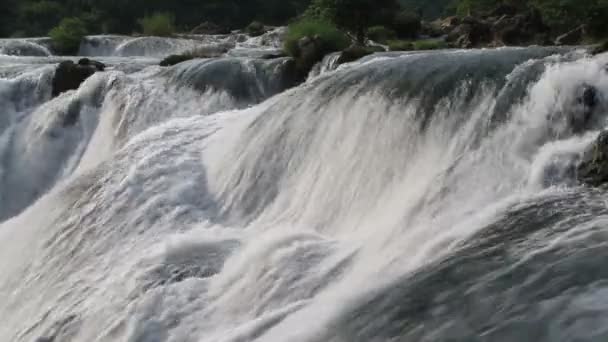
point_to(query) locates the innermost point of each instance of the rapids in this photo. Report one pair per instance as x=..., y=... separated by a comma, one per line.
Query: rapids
x=403, y=197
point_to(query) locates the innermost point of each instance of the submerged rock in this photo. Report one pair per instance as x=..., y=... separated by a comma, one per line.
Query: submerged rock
x=593, y=169
x=69, y=75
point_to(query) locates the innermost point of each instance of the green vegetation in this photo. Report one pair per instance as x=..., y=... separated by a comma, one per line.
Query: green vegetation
x=67, y=36
x=360, y=19
x=355, y=16
x=329, y=38
x=400, y=45
x=158, y=24
x=381, y=34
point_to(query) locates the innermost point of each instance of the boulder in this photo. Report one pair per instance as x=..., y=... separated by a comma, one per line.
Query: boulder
x=256, y=29
x=573, y=37
x=175, y=59
x=593, y=169
x=470, y=33
x=599, y=48
x=210, y=29
x=85, y=62
x=69, y=75
x=310, y=50
x=520, y=29
x=355, y=52
x=587, y=100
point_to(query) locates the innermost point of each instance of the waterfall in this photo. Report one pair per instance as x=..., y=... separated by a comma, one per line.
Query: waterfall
x=404, y=197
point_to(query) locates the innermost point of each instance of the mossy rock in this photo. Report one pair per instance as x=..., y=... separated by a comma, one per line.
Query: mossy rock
x=175, y=59
x=355, y=52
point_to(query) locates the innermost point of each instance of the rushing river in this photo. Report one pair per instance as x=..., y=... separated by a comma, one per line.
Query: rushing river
x=404, y=197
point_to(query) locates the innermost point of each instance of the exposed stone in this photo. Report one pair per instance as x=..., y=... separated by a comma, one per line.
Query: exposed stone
x=256, y=29
x=175, y=59
x=599, y=48
x=593, y=169
x=355, y=52
x=69, y=75
x=470, y=33
x=209, y=28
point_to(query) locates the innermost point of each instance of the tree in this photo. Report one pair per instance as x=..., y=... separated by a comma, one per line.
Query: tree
x=68, y=35
x=356, y=16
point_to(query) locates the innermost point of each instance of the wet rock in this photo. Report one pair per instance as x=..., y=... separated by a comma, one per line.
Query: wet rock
x=573, y=37
x=587, y=100
x=85, y=62
x=471, y=33
x=209, y=28
x=69, y=75
x=273, y=55
x=600, y=48
x=355, y=52
x=256, y=29
x=593, y=169
x=520, y=29
x=175, y=59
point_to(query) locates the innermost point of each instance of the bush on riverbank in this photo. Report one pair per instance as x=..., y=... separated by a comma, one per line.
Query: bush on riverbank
x=66, y=37
x=381, y=34
x=328, y=36
x=158, y=24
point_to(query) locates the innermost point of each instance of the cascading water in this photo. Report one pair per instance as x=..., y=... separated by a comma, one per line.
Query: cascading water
x=406, y=197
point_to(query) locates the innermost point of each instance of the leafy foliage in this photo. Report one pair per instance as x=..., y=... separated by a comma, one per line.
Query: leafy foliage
x=158, y=24
x=356, y=16
x=329, y=36
x=381, y=34
x=67, y=36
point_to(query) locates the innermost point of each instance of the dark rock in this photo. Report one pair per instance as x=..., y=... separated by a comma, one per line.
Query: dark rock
x=256, y=29
x=69, y=75
x=503, y=9
x=593, y=169
x=471, y=33
x=96, y=64
x=520, y=29
x=600, y=48
x=587, y=100
x=273, y=55
x=209, y=28
x=175, y=59
x=431, y=29
x=573, y=37
x=355, y=52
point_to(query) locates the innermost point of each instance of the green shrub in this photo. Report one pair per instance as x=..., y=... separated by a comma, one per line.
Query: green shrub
x=400, y=45
x=381, y=34
x=255, y=29
x=158, y=24
x=66, y=37
x=331, y=38
x=429, y=45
